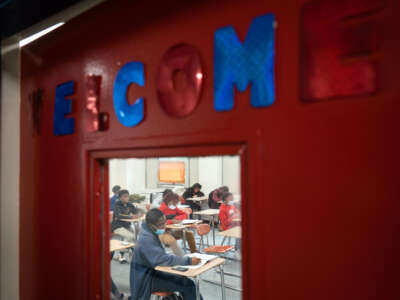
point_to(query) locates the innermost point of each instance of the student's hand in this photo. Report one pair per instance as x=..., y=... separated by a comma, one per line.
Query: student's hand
x=174, y=221
x=194, y=196
x=195, y=261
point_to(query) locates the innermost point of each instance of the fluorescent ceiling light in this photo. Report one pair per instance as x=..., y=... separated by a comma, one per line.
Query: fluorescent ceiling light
x=39, y=34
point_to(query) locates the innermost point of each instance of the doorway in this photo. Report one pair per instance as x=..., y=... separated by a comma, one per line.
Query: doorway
x=212, y=225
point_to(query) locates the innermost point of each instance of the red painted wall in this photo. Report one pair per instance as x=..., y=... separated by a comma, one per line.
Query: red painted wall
x=320, y=181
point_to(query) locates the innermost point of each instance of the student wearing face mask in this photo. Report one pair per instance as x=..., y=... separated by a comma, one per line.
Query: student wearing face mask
x=148, y=254
x=174, y=216
x=228, y=212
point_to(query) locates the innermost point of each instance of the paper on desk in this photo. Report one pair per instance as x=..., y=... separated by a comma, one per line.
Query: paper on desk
x=188, y=221
x=204, y=258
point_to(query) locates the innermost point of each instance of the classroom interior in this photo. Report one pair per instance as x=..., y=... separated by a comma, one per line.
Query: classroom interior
x=146, y=179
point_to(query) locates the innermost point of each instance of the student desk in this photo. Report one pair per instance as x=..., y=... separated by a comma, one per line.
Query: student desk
x=195, y=274
x=234, y=232
x=135, y=221
x=209, y=212
x=183, y=227
x=180, y=206
x=117, y=245
x=199, y=200
x=142, y=218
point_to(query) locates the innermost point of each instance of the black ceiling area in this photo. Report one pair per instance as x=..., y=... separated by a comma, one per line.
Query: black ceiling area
x=17, y=15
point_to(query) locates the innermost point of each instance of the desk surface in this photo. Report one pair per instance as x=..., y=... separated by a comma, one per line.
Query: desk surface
x=207, y=212
x=197, y=199
x=194, y=272
x=117, y=245
x=142, y=218
x=237, y=219
x=234, y=232
x=182, y=226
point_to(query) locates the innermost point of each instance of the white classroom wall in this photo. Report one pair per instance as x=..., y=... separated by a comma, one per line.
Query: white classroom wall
x=135, y=168
x=141, y=175
x=210, y=173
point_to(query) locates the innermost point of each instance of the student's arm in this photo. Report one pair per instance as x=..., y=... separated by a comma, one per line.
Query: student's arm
x=237, y=212
x=215, y=197
x=232, y=216
x=180, y=215
x=223, y=216
x=170, y=219
x=200, y=194
x=156, y=256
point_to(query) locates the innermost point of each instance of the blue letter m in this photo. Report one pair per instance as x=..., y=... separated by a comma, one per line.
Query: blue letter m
x=240, y=64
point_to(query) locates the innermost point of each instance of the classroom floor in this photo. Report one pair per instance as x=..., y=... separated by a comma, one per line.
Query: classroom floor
x=120, y=275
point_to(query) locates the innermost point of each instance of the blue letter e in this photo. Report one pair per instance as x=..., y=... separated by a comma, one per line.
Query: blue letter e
x=128, y=115
x=240, y=64
x=63, y=107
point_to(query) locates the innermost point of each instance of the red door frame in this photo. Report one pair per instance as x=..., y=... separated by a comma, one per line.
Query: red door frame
x=98, y=179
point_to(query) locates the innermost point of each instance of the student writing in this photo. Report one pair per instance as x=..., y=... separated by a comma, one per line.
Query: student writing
x=174, y=216
x=228, y=212
x=193, y=192
x=148, y=254
x=215, y=197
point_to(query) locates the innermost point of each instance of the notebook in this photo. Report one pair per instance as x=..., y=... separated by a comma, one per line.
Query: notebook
x=205, y=258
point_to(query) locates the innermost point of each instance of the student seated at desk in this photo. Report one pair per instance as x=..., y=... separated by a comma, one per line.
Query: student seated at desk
x=148, y=254
x=174, y=216
x=193, y=192
x=228, y=212
x=114, y=198
x=123, y=209
x=215, y=197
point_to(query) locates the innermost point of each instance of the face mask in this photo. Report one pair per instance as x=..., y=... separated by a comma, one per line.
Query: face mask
x=172, y=207
x=159, y=231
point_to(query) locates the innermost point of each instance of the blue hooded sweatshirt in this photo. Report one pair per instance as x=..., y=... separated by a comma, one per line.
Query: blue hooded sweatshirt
x=148, y=254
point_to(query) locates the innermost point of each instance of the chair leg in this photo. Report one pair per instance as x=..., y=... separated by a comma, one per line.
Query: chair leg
x=223, y=241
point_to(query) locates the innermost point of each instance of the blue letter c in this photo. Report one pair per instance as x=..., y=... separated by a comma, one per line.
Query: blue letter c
x=128, y=115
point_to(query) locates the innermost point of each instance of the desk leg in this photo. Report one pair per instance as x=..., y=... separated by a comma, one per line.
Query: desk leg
x=184, y=240
x=213, y=225
x=136, y=224
x=221, y=269
x=197, y=282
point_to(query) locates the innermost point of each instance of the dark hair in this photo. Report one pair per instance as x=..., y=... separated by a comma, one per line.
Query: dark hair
x=166, y=191
x=171, y=196
x=153, y=216
x=196, y=186
x=224, y=189
x=122, y=192
x=116, y=189
x=225, y=196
